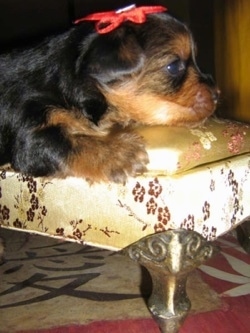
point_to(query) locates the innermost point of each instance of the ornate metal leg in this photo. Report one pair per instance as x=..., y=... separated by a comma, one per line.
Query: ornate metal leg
x=243, y=234
x=169, y=257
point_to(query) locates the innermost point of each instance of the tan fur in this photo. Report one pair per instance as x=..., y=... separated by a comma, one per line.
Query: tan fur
x=135, y=101
x=93, y=156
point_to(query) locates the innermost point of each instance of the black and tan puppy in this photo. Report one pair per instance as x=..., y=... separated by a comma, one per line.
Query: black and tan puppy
x=67, y=104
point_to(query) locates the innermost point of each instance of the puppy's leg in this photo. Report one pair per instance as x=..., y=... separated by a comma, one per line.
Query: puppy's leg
x=41, y=152
x=106, y=153
x=67, y=146
x=113, y=157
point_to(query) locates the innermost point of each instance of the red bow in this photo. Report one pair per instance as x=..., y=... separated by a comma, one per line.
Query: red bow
x=108, y=21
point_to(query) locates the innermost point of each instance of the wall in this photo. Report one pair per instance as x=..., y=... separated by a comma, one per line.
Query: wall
x=232, y=53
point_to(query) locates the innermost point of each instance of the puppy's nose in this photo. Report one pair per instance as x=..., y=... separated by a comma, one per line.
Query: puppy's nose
x=216, y=95
x=209, y=81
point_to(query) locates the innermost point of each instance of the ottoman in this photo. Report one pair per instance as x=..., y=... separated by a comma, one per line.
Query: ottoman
x=196, y=189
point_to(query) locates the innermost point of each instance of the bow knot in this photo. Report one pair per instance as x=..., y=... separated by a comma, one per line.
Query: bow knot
x=108, y=21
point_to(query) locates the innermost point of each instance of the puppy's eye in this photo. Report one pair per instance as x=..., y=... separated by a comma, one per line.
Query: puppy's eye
x=176, y=67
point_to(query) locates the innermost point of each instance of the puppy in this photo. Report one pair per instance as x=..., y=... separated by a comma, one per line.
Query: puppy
x=69, y=103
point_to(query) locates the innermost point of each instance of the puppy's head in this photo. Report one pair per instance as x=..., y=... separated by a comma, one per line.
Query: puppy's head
x=148, y=73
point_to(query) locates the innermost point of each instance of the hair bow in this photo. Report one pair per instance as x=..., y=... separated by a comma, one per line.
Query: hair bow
x=108, y=21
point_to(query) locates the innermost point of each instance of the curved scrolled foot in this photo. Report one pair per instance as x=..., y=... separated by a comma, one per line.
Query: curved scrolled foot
x=169, y=257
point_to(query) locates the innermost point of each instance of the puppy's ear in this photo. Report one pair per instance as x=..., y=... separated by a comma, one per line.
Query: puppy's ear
x=90, y=100
x=111, y=56
x=103, y=59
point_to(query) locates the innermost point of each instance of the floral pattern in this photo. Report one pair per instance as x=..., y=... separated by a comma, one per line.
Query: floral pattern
x=211, y=195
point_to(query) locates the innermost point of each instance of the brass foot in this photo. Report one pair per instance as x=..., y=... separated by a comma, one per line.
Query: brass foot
x=169, y=257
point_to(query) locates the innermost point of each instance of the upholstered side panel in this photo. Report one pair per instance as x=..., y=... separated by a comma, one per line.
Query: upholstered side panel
x=210, y=199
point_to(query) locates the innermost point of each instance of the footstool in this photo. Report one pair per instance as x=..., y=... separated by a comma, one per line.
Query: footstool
x=197, y=188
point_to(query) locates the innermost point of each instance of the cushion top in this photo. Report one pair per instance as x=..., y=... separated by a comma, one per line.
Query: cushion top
x=175, y=149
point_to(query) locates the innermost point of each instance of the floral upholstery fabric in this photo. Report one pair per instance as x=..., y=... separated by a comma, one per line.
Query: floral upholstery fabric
x=198, y=179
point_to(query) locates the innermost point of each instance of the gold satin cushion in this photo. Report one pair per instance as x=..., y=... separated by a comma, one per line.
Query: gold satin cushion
x=175, y=149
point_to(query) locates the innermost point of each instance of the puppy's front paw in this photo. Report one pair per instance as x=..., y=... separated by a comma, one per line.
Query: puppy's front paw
x=113, y=157
x=128, y=157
